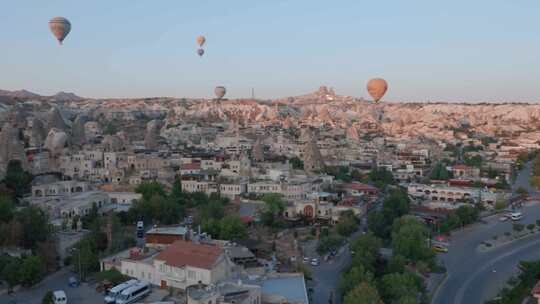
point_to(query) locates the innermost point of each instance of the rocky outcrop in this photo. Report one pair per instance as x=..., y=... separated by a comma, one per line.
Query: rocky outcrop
x=78, y=133
x=39, y=133
x=257, y=152
x=56, y=141
x=11, y=147
x=55, y=120
x=312, y=156
x=151, y=137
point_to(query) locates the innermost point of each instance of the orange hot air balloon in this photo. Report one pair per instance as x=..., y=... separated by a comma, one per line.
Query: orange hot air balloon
x=201, y=40
x=60, y=27
x=220, y=92
x=377, y=88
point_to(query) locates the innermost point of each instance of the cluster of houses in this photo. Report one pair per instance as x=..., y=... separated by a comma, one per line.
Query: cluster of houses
x=208, y=271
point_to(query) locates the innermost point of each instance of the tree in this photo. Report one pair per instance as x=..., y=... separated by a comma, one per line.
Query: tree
x=354, y=276
x=16, y=178
x=439, y=172
x=366, y=250
x=396, y=264
x=381, y=177
x=31, y=270
x=522, y=192
x=474, y=161
x=409, y=239
x=530, y=227
x=7, y=209
x=10, y=273
x=364, y=293
x=538, y=222
x=149, y=189
x=232, y=228
x=35, y=224
x=395, y=286
x=297, y=163
x=328, y=243
x=500, y=204
x=517, y=227
x=273, y=208
x=348, y=223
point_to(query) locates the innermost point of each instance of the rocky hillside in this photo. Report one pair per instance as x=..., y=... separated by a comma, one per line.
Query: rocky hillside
x=320, y=108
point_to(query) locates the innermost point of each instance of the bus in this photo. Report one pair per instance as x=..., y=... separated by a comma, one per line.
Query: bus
x=133, y=293
x=116, y=290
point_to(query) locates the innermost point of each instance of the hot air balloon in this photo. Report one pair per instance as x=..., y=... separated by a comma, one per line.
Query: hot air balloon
x=200, y=52
x=201, y=40
x=377, y=88
x=220, y=92
x=60, y=27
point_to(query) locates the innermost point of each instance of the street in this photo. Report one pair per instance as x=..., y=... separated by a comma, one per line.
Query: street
x=83, y=294
x=473, y=276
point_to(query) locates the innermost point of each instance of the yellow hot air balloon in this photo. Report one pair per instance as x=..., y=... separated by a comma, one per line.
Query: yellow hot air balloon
x=60, y=27
x=377, y=87
x=201, y=40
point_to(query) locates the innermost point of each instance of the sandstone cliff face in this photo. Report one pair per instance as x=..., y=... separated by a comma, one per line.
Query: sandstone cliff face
x=321, y=108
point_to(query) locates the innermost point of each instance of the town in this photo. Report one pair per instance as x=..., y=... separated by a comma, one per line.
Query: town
x=251, y=201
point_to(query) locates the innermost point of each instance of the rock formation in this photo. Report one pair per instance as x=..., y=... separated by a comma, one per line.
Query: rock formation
x=56, y=141
x=55, y=120
x=78, y=134
x=39, y=133
x=151, y=136
x=312, y=156
x=11, y=147
x=257, y=152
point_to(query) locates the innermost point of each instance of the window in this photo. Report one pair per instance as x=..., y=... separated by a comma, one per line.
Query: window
x=191, y=274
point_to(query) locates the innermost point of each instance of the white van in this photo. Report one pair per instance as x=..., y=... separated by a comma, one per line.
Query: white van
x=59, y=297
x=516, y=216
x=116, y=290
x=133, y=293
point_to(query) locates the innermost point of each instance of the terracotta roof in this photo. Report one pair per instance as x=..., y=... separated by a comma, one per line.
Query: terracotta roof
x=461, y=167
x=360, y=187
x=183, y=253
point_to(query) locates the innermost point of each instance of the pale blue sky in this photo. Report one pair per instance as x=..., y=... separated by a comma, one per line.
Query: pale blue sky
x=458, y=50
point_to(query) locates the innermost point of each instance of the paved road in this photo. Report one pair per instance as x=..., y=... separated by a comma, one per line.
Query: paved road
x=473, y=276
x=58, y=281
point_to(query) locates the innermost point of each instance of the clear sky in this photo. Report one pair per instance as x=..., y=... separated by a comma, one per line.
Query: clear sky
x=457, y=50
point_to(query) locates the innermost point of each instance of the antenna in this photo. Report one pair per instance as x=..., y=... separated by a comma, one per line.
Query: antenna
x=252, y=93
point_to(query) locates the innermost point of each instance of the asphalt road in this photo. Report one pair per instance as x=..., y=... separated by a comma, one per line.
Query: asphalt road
x=474, y=276
x=83, y=294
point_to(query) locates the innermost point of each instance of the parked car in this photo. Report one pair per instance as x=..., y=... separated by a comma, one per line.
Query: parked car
x=516, y=216
x=59, y=297
x=439, y=248
x=314, y=262
x=503, y=218
x=306, y=259
x=73, y=282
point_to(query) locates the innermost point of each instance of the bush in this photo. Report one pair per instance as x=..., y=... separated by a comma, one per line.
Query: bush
x=48, y=298
x=113, y=275
x=530, y=227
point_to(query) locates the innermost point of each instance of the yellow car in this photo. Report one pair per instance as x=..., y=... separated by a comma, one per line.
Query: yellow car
x=439, y=248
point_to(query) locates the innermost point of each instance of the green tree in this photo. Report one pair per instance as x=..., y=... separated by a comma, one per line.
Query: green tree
x=48, y=298
x=328, y=243
x=522, y=192
x=366, y=250
x=17, y=179
x=297, y=163
x=395, y=286
x=35, y=224
x=31, y=270
x=149, y=189
x=7, y=208
x=396, y=264
x=273, y=208
x=10, y=273
x=348, y=223
x=439, y=172
x=381, y=177
x=409, y=239
x=517, y=227
x=530, y=227
x=474, y=161
x=232, y=228
x=500, y=204
x=354, y=276
x=364, y=293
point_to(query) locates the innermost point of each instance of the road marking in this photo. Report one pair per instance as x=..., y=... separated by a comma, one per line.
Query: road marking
x=461, y=291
